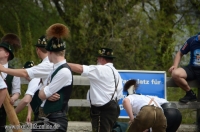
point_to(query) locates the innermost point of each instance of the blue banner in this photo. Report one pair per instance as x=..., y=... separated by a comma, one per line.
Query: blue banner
x=149, y=83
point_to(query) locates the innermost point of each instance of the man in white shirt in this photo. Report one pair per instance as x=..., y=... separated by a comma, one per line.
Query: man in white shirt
x=105, y=90
x=41, y=71
x=8, y=44
x=59, y=81
x=32, y=88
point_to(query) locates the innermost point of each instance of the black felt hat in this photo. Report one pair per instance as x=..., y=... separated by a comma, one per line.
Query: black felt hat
x=105, y=52
x=28, y=64
x=55, y=44
x=42, y=42
x=10, y=42
x=9, y=48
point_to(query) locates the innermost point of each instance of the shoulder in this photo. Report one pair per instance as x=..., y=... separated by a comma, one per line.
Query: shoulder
x=35, y=80
x=64, y=72
x=130, y=97
x=44, y=65
x=191, y=39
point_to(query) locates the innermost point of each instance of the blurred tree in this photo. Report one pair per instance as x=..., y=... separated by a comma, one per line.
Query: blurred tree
x=143, y=34
x=29, y=20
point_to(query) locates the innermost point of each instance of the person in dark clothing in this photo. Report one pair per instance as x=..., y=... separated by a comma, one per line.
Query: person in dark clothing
x=181, y=75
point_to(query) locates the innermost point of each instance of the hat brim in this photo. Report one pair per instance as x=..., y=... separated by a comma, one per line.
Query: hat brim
x=42, y=46
x=110, y=57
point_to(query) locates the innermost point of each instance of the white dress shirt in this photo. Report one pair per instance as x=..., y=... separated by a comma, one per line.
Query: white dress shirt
x=138, y=101
x=2, y=83
x=61, y=79
x=41, y=70
x=33, y=86
x=16, y=82
x=102, y=83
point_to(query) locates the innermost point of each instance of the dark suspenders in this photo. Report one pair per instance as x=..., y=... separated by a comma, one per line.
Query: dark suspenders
x=116, y=85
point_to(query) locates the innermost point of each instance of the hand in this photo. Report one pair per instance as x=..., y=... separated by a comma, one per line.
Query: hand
x=1, y=67
x=28, y=118
x=171, y=69
x=146, y=130
x=130, y=121
x=12, y=101
x=54, y=97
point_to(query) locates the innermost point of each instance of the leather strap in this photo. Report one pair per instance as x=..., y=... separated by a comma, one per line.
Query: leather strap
x=152, y=100
x=115, y=83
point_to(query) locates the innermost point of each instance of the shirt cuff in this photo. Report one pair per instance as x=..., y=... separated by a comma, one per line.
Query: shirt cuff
x=30, y=93
x=16, y=91
x=47, y=92
x=30, y=73
x=85, y=70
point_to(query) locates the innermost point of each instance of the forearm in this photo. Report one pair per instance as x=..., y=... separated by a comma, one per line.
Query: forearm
x=76, y=67
x=2, y=96
x=128, y=108
x=23, y=103
x=16, y=72
x=15, y=96
x=29, y=109
x=20, y=107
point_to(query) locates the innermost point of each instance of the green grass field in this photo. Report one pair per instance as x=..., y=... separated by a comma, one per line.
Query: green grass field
x=189, y=115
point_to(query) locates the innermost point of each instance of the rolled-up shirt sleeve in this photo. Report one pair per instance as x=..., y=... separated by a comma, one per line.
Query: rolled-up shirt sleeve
x=16, y=85
x=47, y=92
x=92, y=72
x=33, y=86
x=41, y=70
x=61, y=79
x=86, y=70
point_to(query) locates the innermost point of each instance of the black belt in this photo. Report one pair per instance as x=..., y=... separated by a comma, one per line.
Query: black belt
x=42, y=114
x=169, y=105
x=104, y=106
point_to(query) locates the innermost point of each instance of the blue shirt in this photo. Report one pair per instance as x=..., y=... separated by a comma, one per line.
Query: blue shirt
x=192, y=45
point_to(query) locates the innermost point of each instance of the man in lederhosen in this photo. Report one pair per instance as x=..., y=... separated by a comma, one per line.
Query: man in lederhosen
x=148, y=112
x=171, y=112
x=8, y=44
x=105, y=90
x=60, y=80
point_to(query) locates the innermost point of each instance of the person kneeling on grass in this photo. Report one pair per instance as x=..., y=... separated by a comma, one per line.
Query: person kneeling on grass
x=149, y=114
x=172, y=114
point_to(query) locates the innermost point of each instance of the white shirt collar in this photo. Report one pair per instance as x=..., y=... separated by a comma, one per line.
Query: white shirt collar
x=45, y=59
x=6, y=65
x=109, y=64
x=55, y=66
